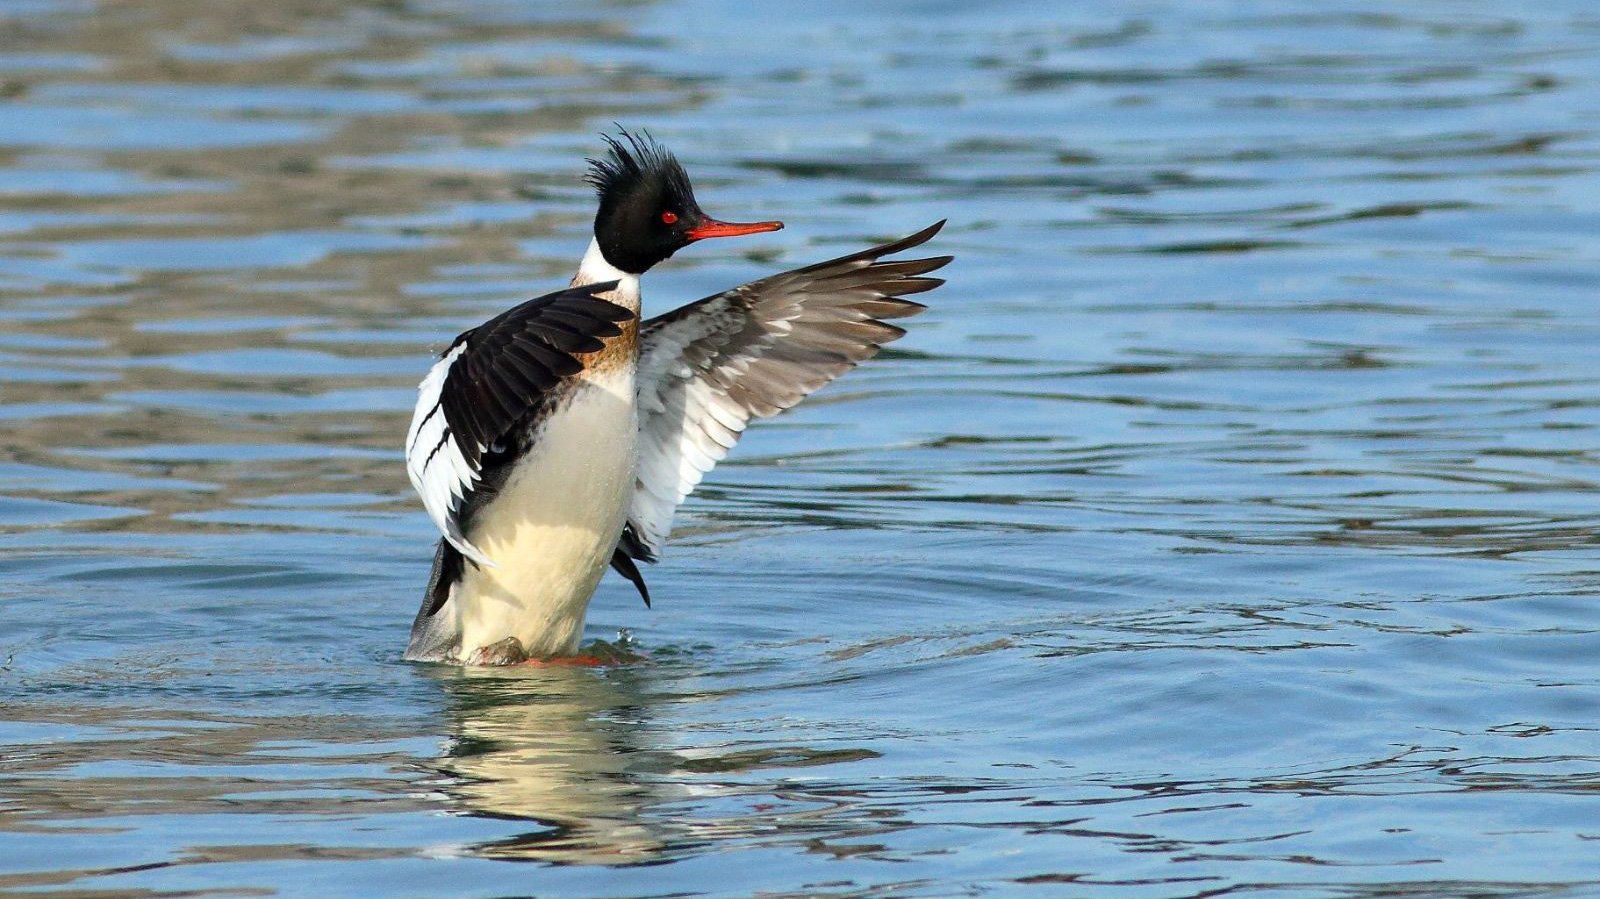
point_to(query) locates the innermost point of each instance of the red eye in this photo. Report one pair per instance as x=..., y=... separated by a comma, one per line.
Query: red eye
x=669, y=217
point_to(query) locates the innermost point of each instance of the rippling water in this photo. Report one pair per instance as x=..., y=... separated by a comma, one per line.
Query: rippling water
x=1227, y=526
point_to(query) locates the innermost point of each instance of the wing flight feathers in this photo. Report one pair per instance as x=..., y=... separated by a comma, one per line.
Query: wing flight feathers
x=708, y=368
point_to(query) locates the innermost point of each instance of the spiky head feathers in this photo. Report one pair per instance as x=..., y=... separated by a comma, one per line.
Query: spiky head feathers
x=634, y=160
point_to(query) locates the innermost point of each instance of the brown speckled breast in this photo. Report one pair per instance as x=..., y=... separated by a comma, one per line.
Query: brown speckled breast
x=620, y=350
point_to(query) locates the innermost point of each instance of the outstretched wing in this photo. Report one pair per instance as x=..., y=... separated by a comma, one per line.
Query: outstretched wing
x=486, y=382
x=707, y=369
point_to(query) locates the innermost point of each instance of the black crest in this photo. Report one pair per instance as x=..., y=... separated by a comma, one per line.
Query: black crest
x=636, y=161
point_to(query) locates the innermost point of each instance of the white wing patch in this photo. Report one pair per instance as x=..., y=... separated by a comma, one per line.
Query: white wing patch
x=440, y=473
x=707, y=369
x=687, y=428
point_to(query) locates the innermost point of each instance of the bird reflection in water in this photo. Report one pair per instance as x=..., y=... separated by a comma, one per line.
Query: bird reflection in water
x=560, y=747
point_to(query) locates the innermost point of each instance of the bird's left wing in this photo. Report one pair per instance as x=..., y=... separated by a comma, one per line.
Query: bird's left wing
x=708, y=368
x=486, y=382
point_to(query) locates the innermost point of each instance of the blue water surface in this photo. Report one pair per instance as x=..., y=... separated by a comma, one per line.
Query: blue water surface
x=1227, y=525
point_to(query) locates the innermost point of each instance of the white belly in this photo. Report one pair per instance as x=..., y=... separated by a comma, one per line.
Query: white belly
x=554, y=525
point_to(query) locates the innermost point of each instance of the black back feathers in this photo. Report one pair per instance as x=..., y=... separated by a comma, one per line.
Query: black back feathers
x=514, y=359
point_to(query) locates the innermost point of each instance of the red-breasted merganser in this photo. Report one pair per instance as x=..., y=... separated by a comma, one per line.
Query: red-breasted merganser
x=562, y=434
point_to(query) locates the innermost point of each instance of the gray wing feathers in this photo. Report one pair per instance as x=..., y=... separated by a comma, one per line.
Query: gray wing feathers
x=707, y=369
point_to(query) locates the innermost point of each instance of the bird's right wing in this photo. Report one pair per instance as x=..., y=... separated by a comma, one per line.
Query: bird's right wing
x=486, y=382
x=708, y=368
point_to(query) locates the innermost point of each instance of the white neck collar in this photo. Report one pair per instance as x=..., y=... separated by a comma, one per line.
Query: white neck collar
x=594, y=269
